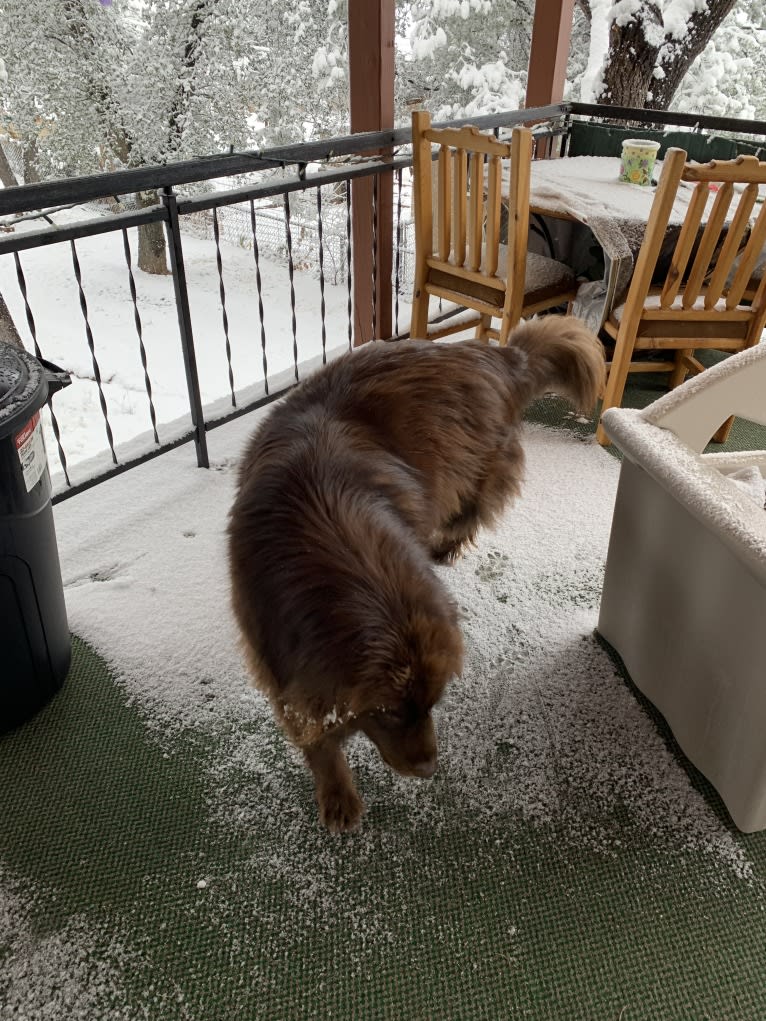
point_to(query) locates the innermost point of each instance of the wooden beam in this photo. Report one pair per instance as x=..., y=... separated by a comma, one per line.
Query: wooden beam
x=371, y=85
x=551, y=33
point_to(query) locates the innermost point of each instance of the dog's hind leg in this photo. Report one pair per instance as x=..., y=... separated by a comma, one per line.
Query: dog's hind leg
x=340, y=807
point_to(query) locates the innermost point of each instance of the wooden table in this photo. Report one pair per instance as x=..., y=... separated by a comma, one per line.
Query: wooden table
x=596, y=223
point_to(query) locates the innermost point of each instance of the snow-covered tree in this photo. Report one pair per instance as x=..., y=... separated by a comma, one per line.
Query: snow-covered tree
x=302, y=89
x=47, y=79
x=185, y=91
x=465, y=57
x=729, y=77
x=93, y=85
x=653, y=44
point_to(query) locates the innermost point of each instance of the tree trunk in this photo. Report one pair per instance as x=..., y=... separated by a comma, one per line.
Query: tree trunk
x=677, y=57
x=201, y=11
x=151, y=237
x=8, y=331
x=629, y=71
x=7, y=175
x=151, y=240
x=31, y=175
x=645, y=65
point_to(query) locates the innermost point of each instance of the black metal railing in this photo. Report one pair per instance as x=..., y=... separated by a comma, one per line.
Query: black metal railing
x=252, y=182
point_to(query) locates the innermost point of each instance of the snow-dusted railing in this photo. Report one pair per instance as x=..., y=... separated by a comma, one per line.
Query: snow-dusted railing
x=123, y=415
x=736, y=126
x=259, y=306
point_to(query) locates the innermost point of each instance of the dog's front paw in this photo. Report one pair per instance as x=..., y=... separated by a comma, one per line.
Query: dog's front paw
x=448, y=552
x=340, y=809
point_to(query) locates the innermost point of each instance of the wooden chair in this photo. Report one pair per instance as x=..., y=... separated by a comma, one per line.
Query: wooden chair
x=706, y=300
x=458, y=251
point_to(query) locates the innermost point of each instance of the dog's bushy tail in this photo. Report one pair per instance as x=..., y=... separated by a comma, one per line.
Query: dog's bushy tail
x=563, y=357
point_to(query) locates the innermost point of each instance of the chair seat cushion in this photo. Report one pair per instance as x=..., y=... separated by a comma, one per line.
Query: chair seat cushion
x=544, y=277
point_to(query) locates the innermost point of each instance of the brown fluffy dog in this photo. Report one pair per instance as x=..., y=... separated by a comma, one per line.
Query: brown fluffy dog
x=382, y=462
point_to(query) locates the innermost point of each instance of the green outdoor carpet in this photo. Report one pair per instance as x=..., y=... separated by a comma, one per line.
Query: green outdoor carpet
x=642, y=390
x=108, y=828
x=159, y=869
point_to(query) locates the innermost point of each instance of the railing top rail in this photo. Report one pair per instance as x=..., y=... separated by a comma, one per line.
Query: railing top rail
x=56, y=233
x=260, y=191
x=648, y=115
x=125, y=182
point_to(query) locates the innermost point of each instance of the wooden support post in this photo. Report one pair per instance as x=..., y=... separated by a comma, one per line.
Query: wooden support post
x=371, y=84
x=551, y=34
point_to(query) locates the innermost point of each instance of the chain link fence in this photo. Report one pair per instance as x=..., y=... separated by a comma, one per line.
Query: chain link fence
x=234, y=225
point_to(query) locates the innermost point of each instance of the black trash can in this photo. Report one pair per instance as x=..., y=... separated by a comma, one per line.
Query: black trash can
x=35, y=648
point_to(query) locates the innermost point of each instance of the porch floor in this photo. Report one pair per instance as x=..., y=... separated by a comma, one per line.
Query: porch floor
x=159, y=851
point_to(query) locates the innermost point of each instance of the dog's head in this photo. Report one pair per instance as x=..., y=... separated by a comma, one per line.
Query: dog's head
x=405, y=736
x=394, y=708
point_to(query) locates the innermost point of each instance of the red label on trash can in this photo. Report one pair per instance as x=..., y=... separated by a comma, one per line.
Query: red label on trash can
x=30, y=447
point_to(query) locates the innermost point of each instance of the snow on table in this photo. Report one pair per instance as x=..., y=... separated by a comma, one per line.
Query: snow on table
x=587, y=189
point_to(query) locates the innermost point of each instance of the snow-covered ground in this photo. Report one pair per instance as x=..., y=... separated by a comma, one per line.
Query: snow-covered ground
x=61, y=331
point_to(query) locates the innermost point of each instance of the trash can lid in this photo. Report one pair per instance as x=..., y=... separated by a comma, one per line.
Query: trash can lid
x=23, y=388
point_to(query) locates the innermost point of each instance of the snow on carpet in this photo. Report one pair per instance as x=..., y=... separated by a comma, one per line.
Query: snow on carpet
x=540, y=730
x=76, y=973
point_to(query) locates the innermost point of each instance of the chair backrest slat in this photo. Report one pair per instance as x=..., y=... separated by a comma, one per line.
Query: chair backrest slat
x=421, y=165
x=711, y=236
x=755, y=245
x=494, y=202
x=475, y=211
x=460, y=191
x=444, y=199
x=518, y=222
x=680, y=258
x=735, y=239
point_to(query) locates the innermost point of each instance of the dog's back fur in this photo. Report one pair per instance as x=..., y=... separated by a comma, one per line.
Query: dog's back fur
x=383, y=461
